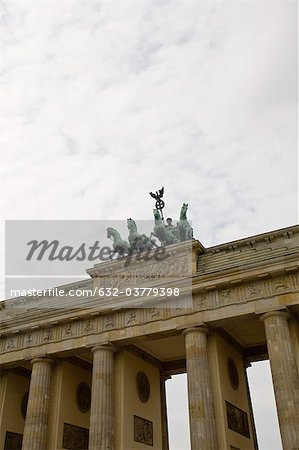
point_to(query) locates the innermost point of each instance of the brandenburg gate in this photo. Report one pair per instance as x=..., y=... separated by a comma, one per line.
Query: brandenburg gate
x=92, y=374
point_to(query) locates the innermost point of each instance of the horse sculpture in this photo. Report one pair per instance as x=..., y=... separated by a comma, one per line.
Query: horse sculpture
x=120, y=246
x=186, y=232
x=166, y=234
x=139, y=242
x=160, y=231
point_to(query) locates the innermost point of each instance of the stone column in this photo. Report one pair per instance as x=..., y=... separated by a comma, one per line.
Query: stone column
x=101, y=431
x=3, y=384
x=165, y=438
x=284, y=375
x=201, y=410
x=36, y=423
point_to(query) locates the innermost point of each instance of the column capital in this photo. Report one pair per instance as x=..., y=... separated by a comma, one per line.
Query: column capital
x=278, y=313
x=108, y=347
x=44, y=359
x=200, y=329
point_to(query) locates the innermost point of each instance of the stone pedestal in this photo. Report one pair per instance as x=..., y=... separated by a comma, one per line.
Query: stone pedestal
x=36, y=423
x=285, y=376
x=201, y=410
x=101, y=431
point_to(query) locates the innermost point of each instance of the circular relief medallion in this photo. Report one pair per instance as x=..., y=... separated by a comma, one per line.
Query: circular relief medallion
x=233, y=373
x=143, y=386
x=24, y=404
x=83, y=397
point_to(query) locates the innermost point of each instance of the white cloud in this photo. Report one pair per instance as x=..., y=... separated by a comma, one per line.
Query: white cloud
x=105, y=101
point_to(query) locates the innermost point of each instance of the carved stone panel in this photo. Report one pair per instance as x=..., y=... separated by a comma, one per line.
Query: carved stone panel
x=75, y=438
x=143, y=386
x=237, y=420
x=13, y=441
x=143, y=431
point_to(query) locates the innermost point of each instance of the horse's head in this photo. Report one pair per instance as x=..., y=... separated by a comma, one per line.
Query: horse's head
x=183, y=213
x=131, y=225
x=109, y=232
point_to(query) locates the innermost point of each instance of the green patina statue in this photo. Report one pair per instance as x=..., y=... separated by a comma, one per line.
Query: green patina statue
x=120, y=246
x=186, y=232
x=167, y=234
x=139, y=242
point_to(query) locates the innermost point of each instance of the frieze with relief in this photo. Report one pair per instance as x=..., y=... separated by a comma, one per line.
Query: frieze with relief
x=208, y=299
x=174, y=267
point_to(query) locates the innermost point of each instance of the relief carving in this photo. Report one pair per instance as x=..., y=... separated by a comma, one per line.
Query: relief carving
x=108, y=322
x=200, y=301
x=88, y=326
x=143, y=431
x=47, y=335
x=226, y=295
x=75, y=438
x=173, y=267
x=10, y=344
x=237, y=420
x=143, y=386
x=281, y=284
x=131, y=318
x=253, y=290
x=28, y=339
x=67, y=330
x=153, y=313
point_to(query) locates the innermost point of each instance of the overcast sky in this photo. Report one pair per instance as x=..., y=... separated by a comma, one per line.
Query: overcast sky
x=104, y=101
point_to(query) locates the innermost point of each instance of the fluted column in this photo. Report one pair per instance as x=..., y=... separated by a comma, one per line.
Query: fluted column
x=284, y=375
x=164, y=421
x=201, y=410
x=101, y=431
x=36, y=423
x=3, y=384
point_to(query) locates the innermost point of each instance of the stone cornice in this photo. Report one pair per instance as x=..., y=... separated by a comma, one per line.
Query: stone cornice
x=284, y=235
